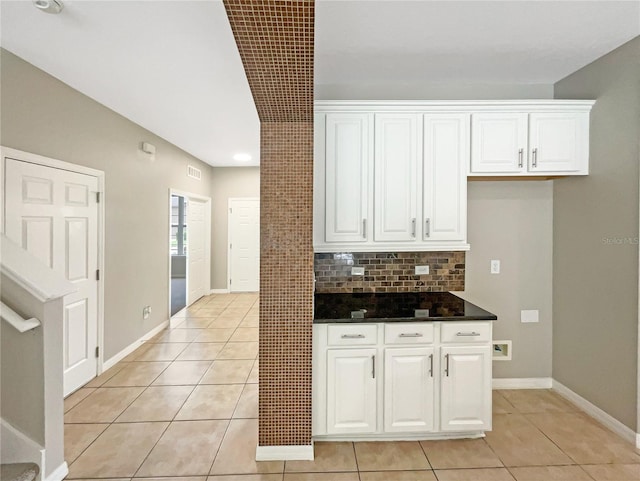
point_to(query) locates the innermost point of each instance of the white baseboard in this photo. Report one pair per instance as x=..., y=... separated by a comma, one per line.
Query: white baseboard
x=595, y=412
x=133, y=346
x=284, y=453
x=219, y=291
x=59, y=473
x=17, y=447
x=522, y=383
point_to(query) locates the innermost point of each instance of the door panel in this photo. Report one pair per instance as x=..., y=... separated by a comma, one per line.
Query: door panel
x=466, y=389
x=496, y=142
x=446, y=152
x=396, y=180
x=37, y=238
x=244, y=239
x=351, y=391
x=196, y=250
x=408, y=390
x=53, y=214
x=557, y=141
x=346, y=177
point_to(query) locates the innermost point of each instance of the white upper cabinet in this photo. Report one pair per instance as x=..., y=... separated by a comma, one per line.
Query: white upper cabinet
x=499, y=142
x=396, y=177
x=347, y=173
x=446, y=152
x=530, y=143
x=558, y=142
x=391, y=176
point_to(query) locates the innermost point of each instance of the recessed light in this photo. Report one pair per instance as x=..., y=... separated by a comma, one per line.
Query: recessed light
x=242, y=157
x=49, y=6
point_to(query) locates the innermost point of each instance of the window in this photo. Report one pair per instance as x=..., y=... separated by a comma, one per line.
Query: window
x=178, y=240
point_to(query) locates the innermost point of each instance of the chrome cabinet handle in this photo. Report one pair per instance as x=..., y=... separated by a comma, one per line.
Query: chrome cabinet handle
x=535, y=157
x=352, y=336
x=446, y=369
x=467, y=334
x=427, y=227
x=410, y=334
x=430, y=365
x=373, y=366
x=364, y=228
x=413, y=227
x=520, y=158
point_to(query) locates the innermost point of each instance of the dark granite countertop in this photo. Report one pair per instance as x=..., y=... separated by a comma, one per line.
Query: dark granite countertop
x=393, y=307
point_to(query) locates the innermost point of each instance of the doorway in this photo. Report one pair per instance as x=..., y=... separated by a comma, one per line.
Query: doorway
x=189, y=249
x=244, y=245
x=178, y=253
x=53, y=211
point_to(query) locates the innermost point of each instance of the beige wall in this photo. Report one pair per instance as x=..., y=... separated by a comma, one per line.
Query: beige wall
x=512, y=221
x=45, y=116
x=595, y=277
x=227, y=182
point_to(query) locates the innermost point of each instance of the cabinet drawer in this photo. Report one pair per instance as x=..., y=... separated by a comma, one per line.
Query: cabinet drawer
x=352, y=335
x=408, y=333
x=464, y=332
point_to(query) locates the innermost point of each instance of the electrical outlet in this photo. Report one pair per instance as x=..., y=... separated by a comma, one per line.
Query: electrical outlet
x=422, y=270
x=357, y=271
x=495, y=266
x=146, y=312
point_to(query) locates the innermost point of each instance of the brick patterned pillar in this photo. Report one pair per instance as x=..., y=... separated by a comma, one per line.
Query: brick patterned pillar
x=275, y=41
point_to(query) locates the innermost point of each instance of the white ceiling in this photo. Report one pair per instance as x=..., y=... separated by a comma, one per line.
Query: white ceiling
x=173, y=66
x=169, y=66
x=495, y=42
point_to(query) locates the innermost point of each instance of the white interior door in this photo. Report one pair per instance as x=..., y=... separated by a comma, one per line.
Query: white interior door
x=53, y=214
x=244, y=245
x=197, y=245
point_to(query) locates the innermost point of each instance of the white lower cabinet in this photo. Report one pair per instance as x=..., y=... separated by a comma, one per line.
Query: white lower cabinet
x=465, y=388
x=409, y=393
x=351, y=391
x=427, y=380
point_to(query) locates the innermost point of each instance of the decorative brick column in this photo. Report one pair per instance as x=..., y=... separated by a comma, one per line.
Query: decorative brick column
x=275, y=40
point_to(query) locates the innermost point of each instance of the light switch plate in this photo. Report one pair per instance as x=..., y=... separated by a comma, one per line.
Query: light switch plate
x=422, y=270
x=529, y=315
x=357, y=271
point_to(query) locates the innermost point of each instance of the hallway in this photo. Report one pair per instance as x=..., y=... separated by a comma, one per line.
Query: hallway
x=185, y=405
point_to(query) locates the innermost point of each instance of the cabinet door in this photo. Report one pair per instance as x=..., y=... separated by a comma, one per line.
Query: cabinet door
x=558, y=142
x=408, y=390
x=396, y=182
x=346, y=177
x=498, y=142
x=446, y=154
x=465, y=403
x=351, y=391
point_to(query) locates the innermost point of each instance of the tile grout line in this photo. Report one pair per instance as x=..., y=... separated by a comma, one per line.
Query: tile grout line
x=550, y=440
x=146, y=387
x=424, y=451
x=228, y=424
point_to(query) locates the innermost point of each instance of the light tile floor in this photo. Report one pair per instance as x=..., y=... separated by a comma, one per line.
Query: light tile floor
x=185, y=405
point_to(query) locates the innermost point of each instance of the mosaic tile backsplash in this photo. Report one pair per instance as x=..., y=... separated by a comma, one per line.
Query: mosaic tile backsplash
x=390, y=272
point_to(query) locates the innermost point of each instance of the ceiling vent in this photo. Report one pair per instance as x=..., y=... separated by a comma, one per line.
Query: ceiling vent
x=194, y=172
